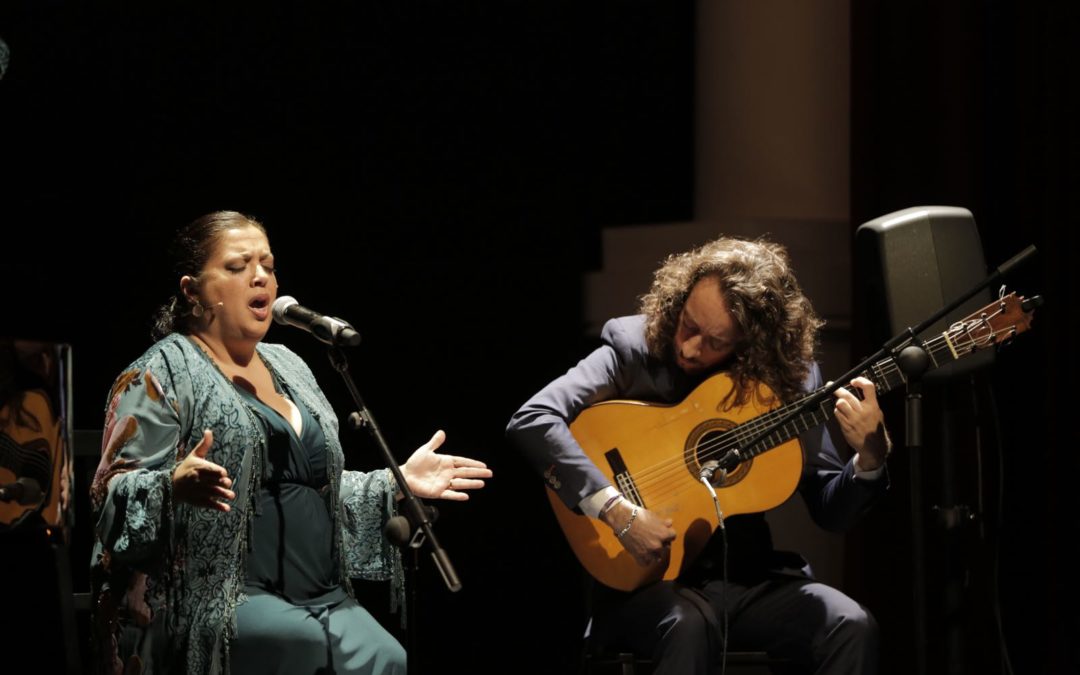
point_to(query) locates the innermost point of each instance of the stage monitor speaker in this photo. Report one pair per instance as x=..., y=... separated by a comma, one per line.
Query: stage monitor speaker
x=911, y=263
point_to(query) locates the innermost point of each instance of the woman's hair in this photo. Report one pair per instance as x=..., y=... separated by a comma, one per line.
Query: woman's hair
x=777, y=324
x=188, y=253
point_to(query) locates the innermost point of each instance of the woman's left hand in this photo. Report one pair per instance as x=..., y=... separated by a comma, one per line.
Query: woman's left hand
x=436, y=476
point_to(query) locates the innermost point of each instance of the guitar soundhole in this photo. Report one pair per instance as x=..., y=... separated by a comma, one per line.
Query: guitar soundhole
x=710, y=441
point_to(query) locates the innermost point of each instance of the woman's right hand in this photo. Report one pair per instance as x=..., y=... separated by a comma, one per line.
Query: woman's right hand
x=200, y=482
x=648, y=539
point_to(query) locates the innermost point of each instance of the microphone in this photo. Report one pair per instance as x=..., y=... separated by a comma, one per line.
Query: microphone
x=708, y=469
x=328, y=329
x=24, y=491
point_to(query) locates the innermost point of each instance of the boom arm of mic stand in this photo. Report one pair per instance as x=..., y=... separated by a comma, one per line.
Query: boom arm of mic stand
x=414, y=509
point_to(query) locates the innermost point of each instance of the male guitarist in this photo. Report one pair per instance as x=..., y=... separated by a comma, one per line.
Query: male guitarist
x=732, y=306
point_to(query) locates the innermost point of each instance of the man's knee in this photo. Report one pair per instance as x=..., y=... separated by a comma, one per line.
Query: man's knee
x=860, y=624
x=853, y=643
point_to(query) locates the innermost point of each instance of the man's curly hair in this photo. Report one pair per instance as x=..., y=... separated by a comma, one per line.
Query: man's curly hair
x=778, y=326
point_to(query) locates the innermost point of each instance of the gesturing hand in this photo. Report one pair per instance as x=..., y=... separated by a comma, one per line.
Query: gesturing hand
x=200, y=482
x=436, y=476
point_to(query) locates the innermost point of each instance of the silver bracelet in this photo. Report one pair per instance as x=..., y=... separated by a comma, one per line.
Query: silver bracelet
x=633, y=514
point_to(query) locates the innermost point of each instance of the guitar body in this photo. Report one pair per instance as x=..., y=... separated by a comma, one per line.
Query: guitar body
x=653, y=454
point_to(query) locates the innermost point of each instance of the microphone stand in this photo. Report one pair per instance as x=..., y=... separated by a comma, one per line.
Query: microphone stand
x=913, y=361
x=414, y=528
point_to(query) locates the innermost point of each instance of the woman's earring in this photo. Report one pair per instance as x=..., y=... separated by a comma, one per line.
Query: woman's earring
x=197, y=309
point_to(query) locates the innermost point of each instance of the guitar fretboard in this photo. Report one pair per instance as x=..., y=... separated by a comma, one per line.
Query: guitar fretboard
x=960, y=339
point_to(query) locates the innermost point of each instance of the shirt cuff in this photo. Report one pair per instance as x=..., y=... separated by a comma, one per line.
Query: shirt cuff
x=868, y=475
x=592, y=504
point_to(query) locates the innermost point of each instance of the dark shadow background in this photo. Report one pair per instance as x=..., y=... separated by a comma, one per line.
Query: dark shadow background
x=972, y=104
x=438, y=175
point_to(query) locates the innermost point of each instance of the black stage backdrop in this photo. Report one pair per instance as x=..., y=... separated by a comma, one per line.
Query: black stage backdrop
x=971, y=104
x=437, y=174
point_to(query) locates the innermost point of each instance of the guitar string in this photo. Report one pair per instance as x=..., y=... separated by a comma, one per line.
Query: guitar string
x=650, y=478
x=659, y=479
x=647, y=479
x=656, y=480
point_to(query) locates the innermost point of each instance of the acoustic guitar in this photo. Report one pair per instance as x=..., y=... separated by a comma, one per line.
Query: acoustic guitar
x=655, y=454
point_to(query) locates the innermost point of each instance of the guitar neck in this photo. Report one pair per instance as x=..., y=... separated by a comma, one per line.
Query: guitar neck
x=943, y=349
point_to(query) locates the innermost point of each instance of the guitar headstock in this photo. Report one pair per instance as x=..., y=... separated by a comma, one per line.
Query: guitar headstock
x=994, y=324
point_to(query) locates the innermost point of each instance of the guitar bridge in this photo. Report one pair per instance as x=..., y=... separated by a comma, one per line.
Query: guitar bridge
x=624, y=482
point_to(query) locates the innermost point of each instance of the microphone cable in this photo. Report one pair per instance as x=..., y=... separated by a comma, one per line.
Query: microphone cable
x=706, y=475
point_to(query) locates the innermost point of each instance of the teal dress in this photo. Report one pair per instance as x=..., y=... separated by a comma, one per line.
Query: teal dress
x=171, y=581
x=296, y=614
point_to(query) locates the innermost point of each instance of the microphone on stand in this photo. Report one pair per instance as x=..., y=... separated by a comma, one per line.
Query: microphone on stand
x=331, y=330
